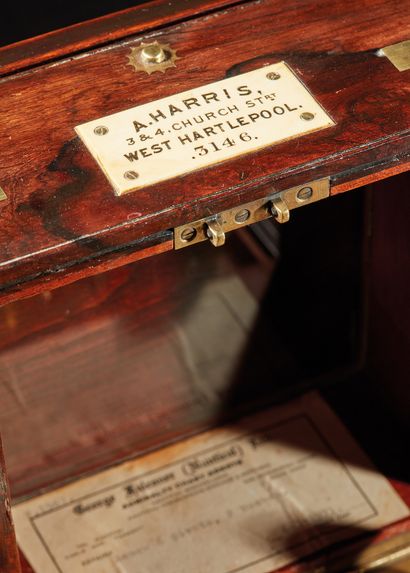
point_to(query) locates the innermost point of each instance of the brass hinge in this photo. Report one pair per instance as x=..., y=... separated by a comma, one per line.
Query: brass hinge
x=277, y=205
x=398, y=54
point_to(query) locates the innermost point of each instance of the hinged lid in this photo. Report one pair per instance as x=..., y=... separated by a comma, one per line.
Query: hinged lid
x=61, y=220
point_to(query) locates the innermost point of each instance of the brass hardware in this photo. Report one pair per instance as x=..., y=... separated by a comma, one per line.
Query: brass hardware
x=100, y=130
x=154, y=54
x=215, y=232
x=277, y=205
x=398, y=54
x=280, y=210
x=307, y=116
x=153, y=57
x=131, y=175
x=304, y=194
x=273, y=76
x=188, y=234
x=3, y=196
x=242, y=216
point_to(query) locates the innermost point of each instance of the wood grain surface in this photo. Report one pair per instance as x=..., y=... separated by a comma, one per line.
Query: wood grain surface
x=61, y=222
x=388, y=352
x=61, y=214
x=103, y=365
x=97, y=364
x=102, y=30
x=9, y=557
x=106, y=367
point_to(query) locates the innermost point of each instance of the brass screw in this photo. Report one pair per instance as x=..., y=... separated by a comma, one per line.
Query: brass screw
x=307, y=115
x=188, y=234
x=242, y=216
x=304, y=193
x=101, y=130
x=154, y=54
x=131, y=175
x=273, y=76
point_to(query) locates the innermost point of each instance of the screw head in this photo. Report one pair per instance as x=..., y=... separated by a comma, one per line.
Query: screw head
x=304, y=194
x=154, y=54
x=307, y=115
x=100, y=130
x=131, y=175
x=188, y=234
x=242, y=216
x=273, y=76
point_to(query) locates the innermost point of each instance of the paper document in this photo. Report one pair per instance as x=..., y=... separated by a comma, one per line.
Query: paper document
x=250, y=497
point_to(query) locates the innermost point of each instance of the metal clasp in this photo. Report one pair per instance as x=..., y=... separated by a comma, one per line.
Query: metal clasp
x=279, y=210
x=215, y=232
x=277, y=205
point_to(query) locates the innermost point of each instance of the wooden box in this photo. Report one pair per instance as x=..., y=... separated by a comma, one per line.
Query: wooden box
x=113, y=343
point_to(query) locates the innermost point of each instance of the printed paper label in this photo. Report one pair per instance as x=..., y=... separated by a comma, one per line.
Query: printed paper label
x=250, y=497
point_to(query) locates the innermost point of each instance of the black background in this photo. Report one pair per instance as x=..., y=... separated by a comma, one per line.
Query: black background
x=20, y=20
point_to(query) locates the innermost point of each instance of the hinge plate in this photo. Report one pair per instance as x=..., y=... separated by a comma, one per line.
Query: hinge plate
x=398, y=54
x=252, y=212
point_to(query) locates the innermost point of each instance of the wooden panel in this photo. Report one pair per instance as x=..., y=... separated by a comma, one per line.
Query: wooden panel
x=103, y=365
x=389, y=293
x=61, y=210
x=101, y=30
x=107, y=366
x=9, y=558
x=103, y=324
x=90, y=266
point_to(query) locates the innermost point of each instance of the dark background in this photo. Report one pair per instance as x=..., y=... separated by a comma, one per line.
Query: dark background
x=22, y=20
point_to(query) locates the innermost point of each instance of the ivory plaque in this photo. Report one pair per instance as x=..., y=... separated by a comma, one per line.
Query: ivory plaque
x=249, y=497
x=184, y=132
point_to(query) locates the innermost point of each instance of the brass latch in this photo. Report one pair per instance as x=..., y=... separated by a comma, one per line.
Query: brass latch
x=277, y=205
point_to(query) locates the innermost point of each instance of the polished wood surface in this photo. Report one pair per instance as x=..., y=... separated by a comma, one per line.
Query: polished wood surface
x=106, y=368
x=90, y=266
x=106, y=365
x=98, y=364
x=98, y=371
x=9, y=557
x=388, y=352
x=61, y=211
x=99, y=31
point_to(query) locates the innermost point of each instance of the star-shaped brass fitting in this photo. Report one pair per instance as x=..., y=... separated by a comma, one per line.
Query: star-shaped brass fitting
x=153, y=57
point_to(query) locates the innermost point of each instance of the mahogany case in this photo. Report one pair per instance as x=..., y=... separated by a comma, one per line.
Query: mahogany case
x=94, y=296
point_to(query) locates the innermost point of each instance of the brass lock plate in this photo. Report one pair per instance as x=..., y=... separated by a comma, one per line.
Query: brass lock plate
x=214, y=226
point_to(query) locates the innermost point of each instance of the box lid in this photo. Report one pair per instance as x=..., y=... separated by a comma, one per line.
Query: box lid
x=61, y=219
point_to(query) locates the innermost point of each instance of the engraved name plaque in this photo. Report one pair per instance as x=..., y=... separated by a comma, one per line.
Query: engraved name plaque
x=182, y=133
